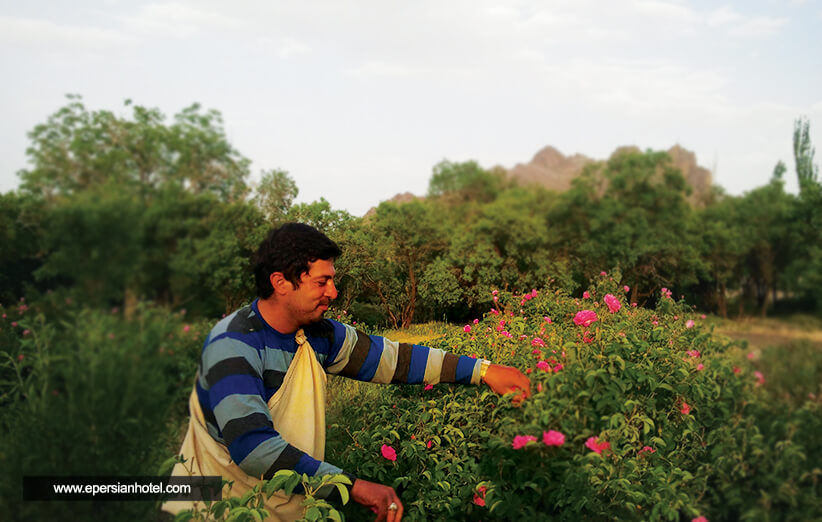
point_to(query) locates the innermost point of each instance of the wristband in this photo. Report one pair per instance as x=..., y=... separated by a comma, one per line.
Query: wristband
x=484, y=364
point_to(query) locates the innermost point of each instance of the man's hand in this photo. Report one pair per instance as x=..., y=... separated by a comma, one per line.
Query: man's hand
x=378, y=498
x=505, y=379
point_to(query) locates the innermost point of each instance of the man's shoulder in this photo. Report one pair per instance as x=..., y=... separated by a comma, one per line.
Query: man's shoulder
x=242, y=321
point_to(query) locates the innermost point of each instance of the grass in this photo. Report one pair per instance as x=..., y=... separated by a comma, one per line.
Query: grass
x=766, y=332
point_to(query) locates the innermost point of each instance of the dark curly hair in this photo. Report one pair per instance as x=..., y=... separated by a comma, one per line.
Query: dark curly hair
x=289, y=249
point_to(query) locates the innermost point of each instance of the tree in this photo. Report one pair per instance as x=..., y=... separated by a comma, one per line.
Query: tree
x=806, y=264
x=630, y=213
x=117, y=189
x=21, y=226
x=803, y=152
x=275, y=194
x=459, y=183
x=78, y=149
x=414, y=237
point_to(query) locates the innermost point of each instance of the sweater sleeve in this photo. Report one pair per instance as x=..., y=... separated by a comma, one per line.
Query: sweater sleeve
x=232, y=380
x=372, y=358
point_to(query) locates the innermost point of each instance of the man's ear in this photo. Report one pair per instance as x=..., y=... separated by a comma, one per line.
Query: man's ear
x=280, y=284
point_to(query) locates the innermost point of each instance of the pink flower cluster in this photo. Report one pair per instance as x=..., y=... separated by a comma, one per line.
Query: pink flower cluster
x=689, y=323
x=666, y=293
x=538, y=342
x=549, y=438
x=597, y=446
x=646, y=449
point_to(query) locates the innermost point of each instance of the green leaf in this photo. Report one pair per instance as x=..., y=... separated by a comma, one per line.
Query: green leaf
x=343, y=493
x=184, y=516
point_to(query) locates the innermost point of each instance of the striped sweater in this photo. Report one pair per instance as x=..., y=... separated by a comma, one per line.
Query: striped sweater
x=243, y=363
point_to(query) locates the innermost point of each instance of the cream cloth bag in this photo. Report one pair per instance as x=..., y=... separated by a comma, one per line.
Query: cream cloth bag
x=298, y=413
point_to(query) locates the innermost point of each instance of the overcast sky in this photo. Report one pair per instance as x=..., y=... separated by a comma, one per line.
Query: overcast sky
x=358, y=100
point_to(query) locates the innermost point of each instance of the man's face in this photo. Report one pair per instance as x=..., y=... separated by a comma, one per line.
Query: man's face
x=311, y=299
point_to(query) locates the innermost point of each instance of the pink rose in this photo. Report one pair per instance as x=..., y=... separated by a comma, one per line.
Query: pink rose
x=428, y=387
x=388, y=452
x=553, y=438
x=586, y=295
x=596, y=446
x=689, y=323
x=626, y=288
x=612, y=302
x=466, y=328
x=646, y=449
x=685, y=409
x=520, y=441
x=585, y=318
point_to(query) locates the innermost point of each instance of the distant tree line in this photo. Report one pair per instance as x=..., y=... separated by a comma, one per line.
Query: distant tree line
x=121, y=209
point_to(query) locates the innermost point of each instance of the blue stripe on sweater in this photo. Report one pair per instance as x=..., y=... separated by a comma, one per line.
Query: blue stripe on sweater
x=235, y=385
x=416, y=370
x=248, y=442
x=251, y=339
x=372, y=361
x=339, y=339
x=465, y=369
x=307, y=465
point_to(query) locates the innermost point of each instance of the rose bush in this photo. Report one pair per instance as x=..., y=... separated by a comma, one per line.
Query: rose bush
x=655, y=422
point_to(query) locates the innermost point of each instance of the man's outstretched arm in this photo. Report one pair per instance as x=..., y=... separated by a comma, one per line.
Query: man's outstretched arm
x=372, y=358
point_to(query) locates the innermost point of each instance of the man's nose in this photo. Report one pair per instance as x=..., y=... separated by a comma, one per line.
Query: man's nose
x=330, y=290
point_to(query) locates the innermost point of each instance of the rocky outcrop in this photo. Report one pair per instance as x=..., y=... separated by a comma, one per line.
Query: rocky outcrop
x=405, y=197
x=553, y=170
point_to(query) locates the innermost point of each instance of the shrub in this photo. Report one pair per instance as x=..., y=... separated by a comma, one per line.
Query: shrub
x=86, y=392
x=659, y=391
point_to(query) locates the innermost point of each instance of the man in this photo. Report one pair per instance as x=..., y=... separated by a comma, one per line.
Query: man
x=259, y=399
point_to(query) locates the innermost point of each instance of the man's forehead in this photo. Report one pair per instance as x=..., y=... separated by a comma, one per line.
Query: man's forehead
x=321, y=268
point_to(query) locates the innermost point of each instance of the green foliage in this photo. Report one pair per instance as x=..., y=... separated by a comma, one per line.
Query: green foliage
x=21, y=230
x=78, y=149
x=806, y=170
x=275, y=194
x=251, y=506
x=462, y=182
x=85, y=392
x=632, y=378
x=630, y=213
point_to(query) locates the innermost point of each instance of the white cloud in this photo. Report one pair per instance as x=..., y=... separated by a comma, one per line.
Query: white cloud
x=759, y=26
x=44, y=33
x=180, y=20
x=292, y=47
x=380, y=69
x=723, y=15
x=663, y=9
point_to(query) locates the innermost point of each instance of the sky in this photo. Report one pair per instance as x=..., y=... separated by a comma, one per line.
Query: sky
x=359, y=100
